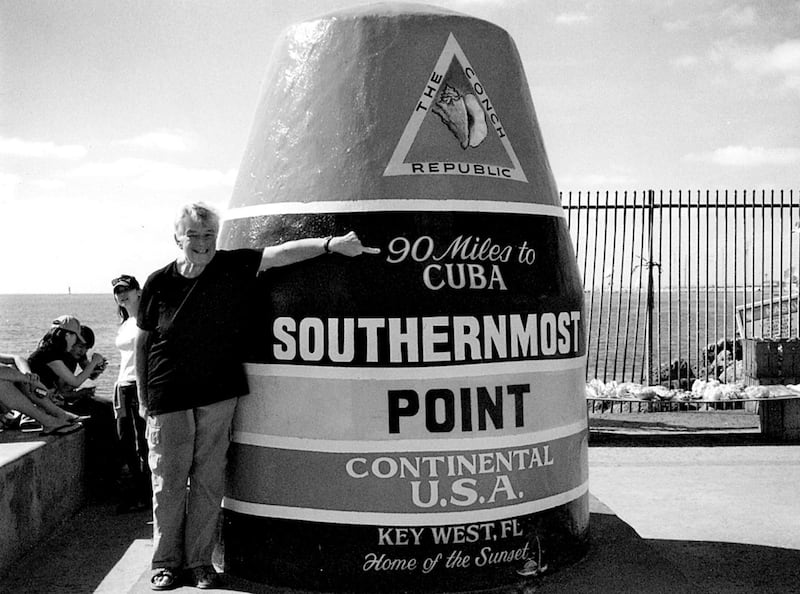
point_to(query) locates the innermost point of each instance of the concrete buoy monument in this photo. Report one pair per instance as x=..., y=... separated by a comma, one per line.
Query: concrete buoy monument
x=416, y=420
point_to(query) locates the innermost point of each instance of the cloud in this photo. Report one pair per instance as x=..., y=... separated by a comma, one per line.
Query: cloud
x=781, y=60
x=162, y=140
x=743, y=156
x=571, y=18
x=456, y=3
x=156, y=175
x=595, y=180
x=731, y=18
x=49, y=184
x=677, y=25
x=41, y=149
x=470, y=6
x=784, y=57
x=740, y=17
x=9, y=179
x=685, y=62
x=9, y=183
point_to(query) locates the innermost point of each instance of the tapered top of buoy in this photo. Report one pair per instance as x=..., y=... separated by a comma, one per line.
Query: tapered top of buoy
x=395, y=101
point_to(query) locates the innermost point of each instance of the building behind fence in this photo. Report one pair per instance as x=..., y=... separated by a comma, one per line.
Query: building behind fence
x=675, y=279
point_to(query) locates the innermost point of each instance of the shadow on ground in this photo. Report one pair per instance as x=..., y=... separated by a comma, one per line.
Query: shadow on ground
x=88, y=548
x=79, y=555
x=733, y=568
x=626, y=440
x=678, y=430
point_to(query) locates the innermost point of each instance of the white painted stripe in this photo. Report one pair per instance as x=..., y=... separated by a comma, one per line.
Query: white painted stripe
x=372, y=446
x=402, y=373
x=403, y=519
x=394, y=205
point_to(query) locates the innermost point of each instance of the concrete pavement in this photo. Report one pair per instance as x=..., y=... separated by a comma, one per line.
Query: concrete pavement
x=665, y=519
x=727, y=517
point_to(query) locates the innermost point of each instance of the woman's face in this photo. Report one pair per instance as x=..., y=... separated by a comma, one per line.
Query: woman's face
x=71, y=339
x=129, y=300
x=197, y=240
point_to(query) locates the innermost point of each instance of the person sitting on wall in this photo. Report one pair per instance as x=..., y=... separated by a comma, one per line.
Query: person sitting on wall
x=21, y=391
x=76, y=357
x=103, y=459
x=47, y=361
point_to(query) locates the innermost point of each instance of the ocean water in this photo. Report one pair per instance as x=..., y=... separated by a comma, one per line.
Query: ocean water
x=686, y=324
x=687, y=321
x=24, y=319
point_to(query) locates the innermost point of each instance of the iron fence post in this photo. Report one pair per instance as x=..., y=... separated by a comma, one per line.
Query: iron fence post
x=650, y=294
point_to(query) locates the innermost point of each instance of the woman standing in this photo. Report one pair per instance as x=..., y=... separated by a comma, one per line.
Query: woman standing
x=189, y=390
x=130, y=424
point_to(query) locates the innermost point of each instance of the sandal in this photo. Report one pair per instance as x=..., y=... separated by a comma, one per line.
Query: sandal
x=62, y=429
x=164, y=579
x=205, y=577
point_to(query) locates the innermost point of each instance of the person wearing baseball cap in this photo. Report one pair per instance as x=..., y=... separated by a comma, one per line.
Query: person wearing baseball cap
x=47, y=360
x=130, y=423
x=124, y=282
x=44, y=364
x=103, y=464
x=69, y=324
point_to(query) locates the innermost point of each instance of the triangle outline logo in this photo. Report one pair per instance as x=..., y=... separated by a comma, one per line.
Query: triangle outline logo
x=480, y=107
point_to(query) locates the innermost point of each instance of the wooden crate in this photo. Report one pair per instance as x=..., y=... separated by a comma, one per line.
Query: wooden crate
x=771, y=381
x=780, y=418
x=772, y=358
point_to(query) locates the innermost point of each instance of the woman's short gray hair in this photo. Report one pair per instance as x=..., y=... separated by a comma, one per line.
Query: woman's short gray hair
x=197, y=211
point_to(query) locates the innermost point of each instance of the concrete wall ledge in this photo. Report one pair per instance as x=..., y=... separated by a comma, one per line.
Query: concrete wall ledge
x=41, y=487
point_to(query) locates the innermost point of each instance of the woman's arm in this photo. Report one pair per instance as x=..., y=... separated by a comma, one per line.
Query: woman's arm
x=11, y=374
x=65, y=375
x=21, y=363
x=15, y=368
x=141, y=347
x=298, y=250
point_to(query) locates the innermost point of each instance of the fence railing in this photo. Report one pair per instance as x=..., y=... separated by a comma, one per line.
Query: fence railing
x=674, y=278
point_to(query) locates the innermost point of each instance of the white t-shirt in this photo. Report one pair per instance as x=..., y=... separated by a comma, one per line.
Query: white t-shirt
x=125, y=342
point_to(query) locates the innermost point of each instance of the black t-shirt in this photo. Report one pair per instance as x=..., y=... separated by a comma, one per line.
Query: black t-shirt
x=38, y=362
x=197, y=331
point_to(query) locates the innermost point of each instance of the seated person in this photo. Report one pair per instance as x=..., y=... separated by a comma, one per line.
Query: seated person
x=74, y=358
x=21, y=390
x=47, y=361
x=103, y=457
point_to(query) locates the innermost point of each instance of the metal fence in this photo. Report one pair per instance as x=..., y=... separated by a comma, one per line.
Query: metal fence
x=672, y=278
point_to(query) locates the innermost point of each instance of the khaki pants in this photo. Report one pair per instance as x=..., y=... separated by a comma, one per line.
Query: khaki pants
x=187, y=454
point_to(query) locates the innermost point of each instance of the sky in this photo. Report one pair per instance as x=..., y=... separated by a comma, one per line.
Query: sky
x=114, y=113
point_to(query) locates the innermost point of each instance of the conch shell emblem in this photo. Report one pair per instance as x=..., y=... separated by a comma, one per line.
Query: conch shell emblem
x=463, y=116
